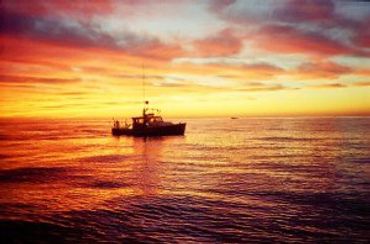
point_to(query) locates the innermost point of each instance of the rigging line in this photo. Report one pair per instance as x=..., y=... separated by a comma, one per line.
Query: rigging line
x=143, y=81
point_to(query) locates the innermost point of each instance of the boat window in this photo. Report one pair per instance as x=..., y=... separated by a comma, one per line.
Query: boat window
x=139, y=121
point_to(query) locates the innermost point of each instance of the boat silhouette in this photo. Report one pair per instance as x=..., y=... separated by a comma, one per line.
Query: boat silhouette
x=149, y=124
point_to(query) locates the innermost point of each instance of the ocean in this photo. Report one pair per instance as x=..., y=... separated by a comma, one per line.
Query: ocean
x=304, y=180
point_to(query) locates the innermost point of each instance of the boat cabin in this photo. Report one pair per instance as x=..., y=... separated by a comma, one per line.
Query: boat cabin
x=147, y=120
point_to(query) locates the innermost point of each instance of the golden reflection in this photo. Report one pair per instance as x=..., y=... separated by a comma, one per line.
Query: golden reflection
x=134, y=171
x=146, y=168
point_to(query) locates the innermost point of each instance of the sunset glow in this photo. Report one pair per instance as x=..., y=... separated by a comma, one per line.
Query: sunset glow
x=200, y=58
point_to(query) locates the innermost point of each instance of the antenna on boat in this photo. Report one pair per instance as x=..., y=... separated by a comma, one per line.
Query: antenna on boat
x=143, y=83
x=144, y=98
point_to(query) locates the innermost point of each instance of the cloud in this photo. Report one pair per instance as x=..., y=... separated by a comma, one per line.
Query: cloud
x=171, y=84
x=283, y=11
x=328, y=86
x=339, y=20
x=363, y=39
x=319, y=27
x=362, y=83
x=27, y=79
x=225, y=43
x=262, y=67
x=64, y=31
x=250, y=72
x=244, y=12
x=261, y=87
x=139, y=76
x=219, y=5
x=63, y=106
x=155, y=49
x=321, y=70
x=305, y=10
x=362, y=71
x=224, y=68
x=82, y=9
x=73, y=93
x=290, y=40
x=362, y=35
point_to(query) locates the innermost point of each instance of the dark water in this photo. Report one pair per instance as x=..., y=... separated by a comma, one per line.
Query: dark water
x=246, y=180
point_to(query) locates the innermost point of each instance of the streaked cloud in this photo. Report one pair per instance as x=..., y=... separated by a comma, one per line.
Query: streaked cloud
x=321, y=70
x=328, y=86
x=225, y=43
x=362, y=83
x=26, y=79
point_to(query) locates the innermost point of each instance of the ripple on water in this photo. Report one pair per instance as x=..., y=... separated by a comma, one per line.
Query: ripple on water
x=31, y=174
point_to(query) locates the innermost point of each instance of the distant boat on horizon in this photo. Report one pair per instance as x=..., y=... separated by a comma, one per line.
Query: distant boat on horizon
x=234, y=118
x=149, y=124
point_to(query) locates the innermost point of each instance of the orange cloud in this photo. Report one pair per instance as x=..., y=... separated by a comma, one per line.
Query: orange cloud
x=363, y=83
x=320, y=70
x=233, y=71
x=328, y=86
x=158, y=50
x=263, y=88
x=224, y=43
x=26, y=79
x=288, y=40
x=20, y=58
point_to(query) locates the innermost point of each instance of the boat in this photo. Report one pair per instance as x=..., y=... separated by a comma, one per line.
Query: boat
x=234, y=118
x=149, y=124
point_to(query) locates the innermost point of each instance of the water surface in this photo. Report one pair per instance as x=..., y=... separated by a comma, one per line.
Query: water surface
x=245, y=180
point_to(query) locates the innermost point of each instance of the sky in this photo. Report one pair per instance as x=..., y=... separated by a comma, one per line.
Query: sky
x=196, y=58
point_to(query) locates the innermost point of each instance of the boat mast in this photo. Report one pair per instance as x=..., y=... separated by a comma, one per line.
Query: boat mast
x=143, y=83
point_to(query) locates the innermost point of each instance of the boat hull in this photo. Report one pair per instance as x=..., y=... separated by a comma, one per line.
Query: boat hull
x=167, y=130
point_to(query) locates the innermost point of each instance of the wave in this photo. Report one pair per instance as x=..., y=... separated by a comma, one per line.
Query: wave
x=283, y=138
x=31, y=174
